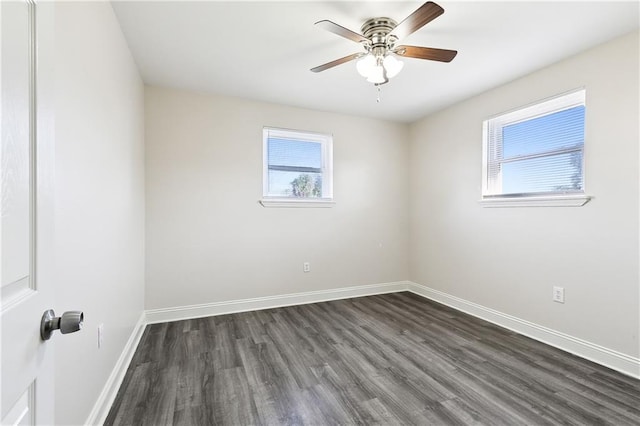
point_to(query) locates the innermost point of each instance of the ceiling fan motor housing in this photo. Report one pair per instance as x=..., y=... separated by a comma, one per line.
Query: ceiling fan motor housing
x=376, y=31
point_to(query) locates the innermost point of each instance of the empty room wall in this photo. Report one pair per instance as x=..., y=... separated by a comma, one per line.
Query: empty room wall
x=99, y=186
x=508, y=259
x=208, y=238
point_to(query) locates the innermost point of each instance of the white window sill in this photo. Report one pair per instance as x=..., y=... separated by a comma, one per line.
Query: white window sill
x=297, y=203
x=539, y=201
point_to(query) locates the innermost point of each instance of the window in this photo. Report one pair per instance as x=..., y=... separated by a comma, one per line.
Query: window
x=297, y=168
x=536, y=153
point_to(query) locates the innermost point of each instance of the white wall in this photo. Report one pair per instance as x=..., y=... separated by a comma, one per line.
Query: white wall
x=99, y=218
x=208, y=238
x=508, y=259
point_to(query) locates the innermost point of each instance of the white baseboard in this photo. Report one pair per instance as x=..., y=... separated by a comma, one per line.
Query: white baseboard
x=103, y=404
x=268, y=302
x=623, y=363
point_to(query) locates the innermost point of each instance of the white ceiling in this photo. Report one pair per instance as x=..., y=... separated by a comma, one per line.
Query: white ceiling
x=264, y=50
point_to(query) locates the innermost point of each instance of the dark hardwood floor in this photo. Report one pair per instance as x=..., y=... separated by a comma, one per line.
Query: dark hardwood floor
x=388, y=359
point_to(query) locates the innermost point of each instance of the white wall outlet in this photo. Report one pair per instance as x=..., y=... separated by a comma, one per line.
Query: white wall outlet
x=306, y=267
x=558, y=294
x=100, y=334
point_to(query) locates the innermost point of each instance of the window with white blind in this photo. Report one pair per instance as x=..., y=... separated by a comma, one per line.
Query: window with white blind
x=536, y=152
x=297, y=167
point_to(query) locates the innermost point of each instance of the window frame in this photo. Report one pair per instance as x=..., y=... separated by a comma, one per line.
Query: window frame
x=326, y=168
x=492, y=195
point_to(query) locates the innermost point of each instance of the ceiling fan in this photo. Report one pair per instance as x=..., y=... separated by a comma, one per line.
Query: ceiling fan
x=379, y=36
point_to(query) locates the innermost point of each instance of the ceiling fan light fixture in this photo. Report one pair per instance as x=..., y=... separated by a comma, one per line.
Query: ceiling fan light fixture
x=392, y=65
x=378, y=70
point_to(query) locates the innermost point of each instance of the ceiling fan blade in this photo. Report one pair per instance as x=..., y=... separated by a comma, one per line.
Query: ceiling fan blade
x=433, y=54
x=337, y=62
x=341, y=31
x=422, y=16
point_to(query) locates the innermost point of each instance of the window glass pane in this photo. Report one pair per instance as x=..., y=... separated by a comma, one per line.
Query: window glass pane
x=563, y=129
x=556, y=173
x=287, y=152
x=295, y=184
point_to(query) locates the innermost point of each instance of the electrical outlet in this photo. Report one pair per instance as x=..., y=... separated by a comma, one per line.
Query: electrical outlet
x=100, y=335
x=558, y=294
x=306, y=267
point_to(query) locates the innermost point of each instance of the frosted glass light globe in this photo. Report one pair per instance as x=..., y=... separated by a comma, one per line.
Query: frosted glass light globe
x=392, y=65
x=377, y=75
x=366, y=65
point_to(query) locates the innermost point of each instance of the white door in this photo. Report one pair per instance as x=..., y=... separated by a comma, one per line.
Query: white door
x=26, y=208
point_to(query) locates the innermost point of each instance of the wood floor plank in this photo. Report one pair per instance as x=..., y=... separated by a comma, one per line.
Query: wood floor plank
x=230, y=399
x=271, y=384
x=394, y=359
x=130, y=410
x=379, y=414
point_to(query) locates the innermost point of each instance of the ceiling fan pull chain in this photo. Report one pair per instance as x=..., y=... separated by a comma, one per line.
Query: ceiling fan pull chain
x=379, y=92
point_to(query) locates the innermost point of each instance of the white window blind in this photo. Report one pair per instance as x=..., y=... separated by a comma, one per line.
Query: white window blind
x=537, y=150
